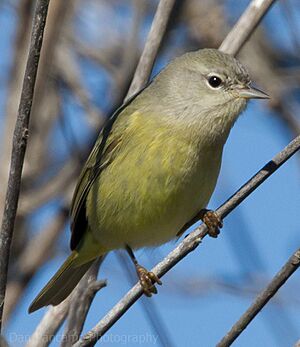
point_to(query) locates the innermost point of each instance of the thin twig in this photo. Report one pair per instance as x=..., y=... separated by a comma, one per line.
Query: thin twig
x=152, y=45
x=189, y=243
x=245, y=26
x=20, y=143
x=262, y=299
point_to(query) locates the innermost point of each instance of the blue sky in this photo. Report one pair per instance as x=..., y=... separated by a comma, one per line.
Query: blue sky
x=255, y=242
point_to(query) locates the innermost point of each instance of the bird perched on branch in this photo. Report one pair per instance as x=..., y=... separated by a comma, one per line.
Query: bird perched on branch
x=154, y=166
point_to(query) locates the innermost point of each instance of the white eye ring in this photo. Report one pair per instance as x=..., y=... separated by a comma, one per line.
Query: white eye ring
x=214, y=81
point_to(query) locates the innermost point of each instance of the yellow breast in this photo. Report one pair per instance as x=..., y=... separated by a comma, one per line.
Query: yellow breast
x=159, y=179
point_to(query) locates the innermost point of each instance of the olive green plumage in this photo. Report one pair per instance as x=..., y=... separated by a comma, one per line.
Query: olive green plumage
x=155, y=163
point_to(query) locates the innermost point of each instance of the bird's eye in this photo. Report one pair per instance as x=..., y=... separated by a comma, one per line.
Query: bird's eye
x=215, y=81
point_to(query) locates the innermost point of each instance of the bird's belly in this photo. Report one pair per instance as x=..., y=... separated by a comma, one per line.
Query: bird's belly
x=147, y=207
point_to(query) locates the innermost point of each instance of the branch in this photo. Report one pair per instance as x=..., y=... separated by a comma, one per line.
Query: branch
x=24, y=19
x=46, y=101
x=3, y=342
x=151, y=48
x=189, y=243
x=245, y=26
x=262, y=299
x=34, y=255
x=55, y=316
x=49, y=325
x=81, y=302
x=149, y=307
x=19, y=144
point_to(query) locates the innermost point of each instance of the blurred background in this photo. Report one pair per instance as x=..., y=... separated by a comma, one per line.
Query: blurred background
x=90, y=52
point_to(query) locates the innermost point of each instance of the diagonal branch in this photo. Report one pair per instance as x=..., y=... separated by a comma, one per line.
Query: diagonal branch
x=262, y=299
x=152, y=45
x=150, y=310
x=189, y=243
x=245, y=26
x=19, y=144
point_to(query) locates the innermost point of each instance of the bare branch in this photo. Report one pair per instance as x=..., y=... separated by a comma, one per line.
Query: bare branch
x=81, y=302
x=20, y=143
x=56, y=185
x=34, y=255
x=46, y=100
x=55, y=316
x=14, y=91
x=3, y=342
x=150, y=310
x=49, y=325
x=153, y=42
x=68, y=70
x=189, y=243
x=245, y=26
x=262, y=299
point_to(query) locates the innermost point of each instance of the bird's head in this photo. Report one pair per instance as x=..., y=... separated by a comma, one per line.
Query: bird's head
x=211, y=81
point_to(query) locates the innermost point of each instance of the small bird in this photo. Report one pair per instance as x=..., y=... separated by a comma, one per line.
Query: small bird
x=154, y=166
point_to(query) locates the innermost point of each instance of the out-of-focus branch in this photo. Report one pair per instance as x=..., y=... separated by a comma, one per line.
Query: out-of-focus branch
x=151, y=48
x=103, y=57
x=20, y=143
x=3, y=342
x=68, y=70
x=245, y=26
x=49, y=325
x=82, y=299
x=55, y=316
x=56, y=185
x=35, y=254
x=44, y=107
x=14, y=91
x=189, y=243
x=262, y=299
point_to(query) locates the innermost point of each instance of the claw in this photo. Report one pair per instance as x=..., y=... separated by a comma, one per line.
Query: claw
x=147, y=280
x=213, y=222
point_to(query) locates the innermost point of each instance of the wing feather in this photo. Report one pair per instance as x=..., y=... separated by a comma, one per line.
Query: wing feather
x=100, y=157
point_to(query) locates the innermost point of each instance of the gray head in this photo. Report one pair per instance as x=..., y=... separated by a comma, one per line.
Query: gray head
x=208, y=79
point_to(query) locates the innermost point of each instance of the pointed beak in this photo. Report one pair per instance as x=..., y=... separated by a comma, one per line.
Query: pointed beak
x=252, y=93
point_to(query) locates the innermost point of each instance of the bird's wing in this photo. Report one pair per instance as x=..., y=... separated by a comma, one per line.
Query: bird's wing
x=100, y=157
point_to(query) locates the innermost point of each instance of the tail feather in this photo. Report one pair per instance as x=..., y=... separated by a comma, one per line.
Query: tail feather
x=62, y=283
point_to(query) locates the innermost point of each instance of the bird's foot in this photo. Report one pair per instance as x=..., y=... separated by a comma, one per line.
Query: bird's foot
x=212, y=221
x=147, y=280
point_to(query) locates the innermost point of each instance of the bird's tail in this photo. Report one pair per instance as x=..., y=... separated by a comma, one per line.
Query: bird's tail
x=69, y=274
x=61, y=284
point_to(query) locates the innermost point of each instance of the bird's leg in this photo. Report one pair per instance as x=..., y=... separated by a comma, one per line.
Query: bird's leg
x=212, y=221
x=147, y=278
